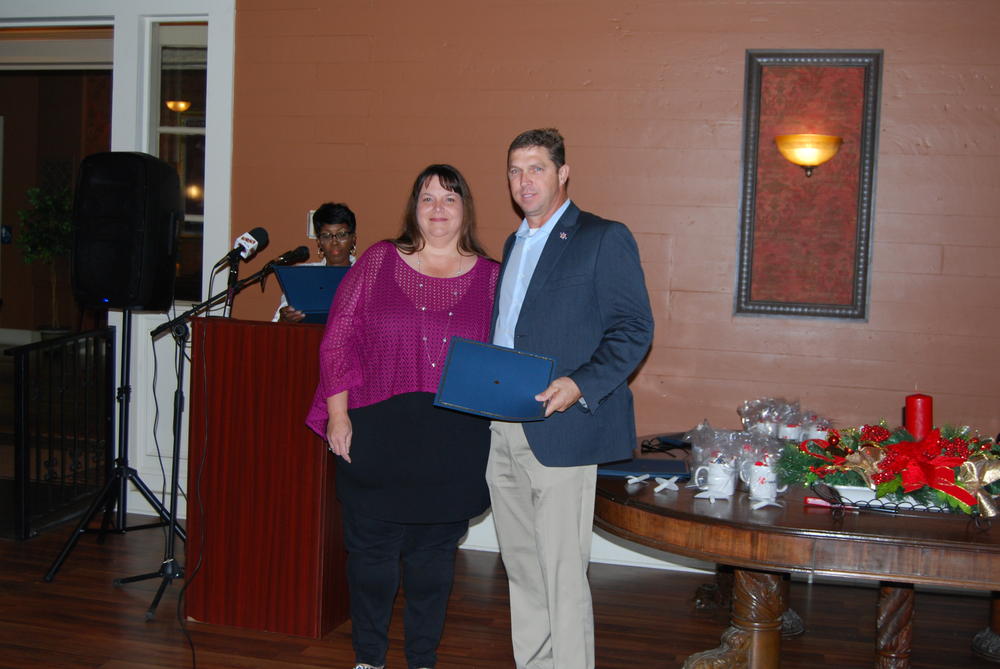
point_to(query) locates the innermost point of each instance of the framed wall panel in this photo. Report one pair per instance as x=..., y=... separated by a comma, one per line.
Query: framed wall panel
x=805, y=240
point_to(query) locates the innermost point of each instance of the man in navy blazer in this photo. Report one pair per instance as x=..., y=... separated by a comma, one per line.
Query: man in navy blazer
x=571, y=288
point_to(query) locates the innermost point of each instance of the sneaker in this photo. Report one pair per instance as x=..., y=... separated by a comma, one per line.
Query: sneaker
x=362, y=665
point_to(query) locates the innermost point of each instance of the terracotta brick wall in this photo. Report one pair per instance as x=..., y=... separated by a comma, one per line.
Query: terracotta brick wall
x=348, y=100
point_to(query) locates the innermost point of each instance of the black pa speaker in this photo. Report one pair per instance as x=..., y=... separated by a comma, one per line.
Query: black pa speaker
x=126, y=216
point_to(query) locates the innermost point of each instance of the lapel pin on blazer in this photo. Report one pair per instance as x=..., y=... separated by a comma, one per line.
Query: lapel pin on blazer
x=562, y=235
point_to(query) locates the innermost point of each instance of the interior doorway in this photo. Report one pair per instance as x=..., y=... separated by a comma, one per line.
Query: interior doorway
x=52, y=119
x=55, y=97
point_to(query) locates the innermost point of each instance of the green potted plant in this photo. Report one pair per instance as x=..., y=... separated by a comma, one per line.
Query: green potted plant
x=46, y=233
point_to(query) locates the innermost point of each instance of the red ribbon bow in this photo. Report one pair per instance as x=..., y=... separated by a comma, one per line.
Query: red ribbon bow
x=936, y=472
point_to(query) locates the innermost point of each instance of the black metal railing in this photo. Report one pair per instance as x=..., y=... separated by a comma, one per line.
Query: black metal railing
x=63, y=426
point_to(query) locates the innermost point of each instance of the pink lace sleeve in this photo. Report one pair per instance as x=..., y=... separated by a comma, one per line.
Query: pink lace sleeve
x=339, y=359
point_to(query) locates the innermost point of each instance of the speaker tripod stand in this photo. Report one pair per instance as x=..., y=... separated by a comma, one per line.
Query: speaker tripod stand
x=113, y=497
x=169, y=568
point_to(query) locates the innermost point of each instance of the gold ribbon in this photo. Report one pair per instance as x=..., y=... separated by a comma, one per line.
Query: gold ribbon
x=975, y=474
x=865, y=462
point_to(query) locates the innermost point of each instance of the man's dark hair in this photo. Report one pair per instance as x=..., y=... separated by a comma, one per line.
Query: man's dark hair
x=331, y=213
x=548, y=138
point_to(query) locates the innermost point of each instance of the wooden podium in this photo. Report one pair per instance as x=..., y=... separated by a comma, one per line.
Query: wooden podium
x=264, y=547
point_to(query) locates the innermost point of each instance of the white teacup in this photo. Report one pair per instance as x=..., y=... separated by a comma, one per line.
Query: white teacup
x=718, y=479
x=791, y=431
x=762, y=482
x=814, y=432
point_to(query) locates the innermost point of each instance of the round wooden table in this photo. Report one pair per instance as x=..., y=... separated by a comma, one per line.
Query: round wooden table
x=898, y=550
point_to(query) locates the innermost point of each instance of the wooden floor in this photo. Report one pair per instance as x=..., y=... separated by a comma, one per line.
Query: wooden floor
x=645, y=618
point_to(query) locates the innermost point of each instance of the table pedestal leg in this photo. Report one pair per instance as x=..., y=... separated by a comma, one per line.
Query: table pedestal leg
x=753, y=639
x=986, y=643
x=892, y=636
x=720, y=594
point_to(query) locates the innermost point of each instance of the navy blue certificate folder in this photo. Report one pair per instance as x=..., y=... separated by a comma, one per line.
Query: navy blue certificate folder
x=310, y=289
x=666, y=467
x=493, y=381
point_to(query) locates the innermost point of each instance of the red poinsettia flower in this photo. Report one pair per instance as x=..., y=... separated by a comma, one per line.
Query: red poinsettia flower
x=920, y=464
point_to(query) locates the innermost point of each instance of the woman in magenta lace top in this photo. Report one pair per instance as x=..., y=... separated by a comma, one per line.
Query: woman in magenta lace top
x=409, y=475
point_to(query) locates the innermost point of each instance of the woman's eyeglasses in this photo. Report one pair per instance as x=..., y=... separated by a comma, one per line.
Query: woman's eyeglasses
x=341, y=236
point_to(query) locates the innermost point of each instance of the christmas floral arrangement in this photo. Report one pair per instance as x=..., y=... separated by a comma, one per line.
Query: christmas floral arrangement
x=947, y=467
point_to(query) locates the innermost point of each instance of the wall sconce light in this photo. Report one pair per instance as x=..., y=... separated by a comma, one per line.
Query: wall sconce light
x=178, y=105
x=808, y=151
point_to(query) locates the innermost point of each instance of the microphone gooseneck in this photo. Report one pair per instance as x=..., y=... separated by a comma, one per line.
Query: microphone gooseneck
x=297, y=255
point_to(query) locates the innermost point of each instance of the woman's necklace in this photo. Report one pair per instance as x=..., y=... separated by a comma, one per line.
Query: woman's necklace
x=422, y=296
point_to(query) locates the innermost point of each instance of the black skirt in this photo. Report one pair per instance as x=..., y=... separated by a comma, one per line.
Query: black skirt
x=412, y=462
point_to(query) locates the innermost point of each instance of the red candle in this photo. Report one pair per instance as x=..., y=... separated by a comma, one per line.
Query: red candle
x=919, y=415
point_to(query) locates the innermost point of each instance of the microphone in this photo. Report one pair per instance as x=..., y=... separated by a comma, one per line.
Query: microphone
x=301, y=254
x=245, y=246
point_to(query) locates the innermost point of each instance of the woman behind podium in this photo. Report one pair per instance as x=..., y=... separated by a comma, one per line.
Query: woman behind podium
x=335, y=228
x=410, y=475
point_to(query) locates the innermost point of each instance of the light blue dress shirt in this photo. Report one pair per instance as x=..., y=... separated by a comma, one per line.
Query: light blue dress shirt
x=528, y=245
